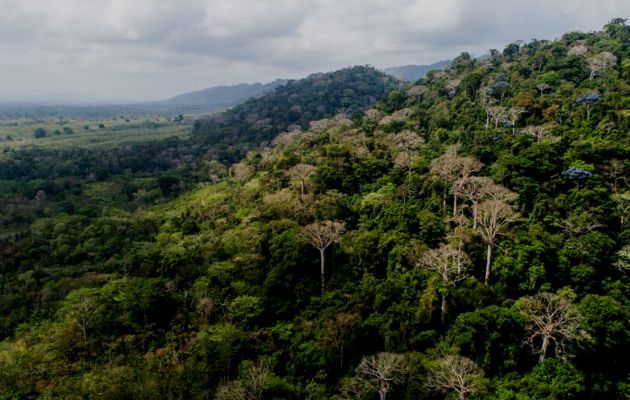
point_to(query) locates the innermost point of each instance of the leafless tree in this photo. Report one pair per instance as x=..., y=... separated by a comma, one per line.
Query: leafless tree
x=615, y=173
x=538, y=132
x=322, y=234
x=300, y=173
x=460, y=234
x=622, y=204
x=81, y=313
x=553, y=322
x=458, y=374
x=623, y=259
x=232, y=390
x=486, y=102
x=418, y=91
x=578, y=50
x=445, y=168
x=493, y=217
x=450, y=264
x=474, y=189
x=242, y=172
x=256, y=379
x=381, y=371
x=406, y=141
x=498, y=114
x=600, y=63
x=405, y=160
x=451, y=86
x=512, y=116
x=250, y=386
x=451, y=169
x=542, y=87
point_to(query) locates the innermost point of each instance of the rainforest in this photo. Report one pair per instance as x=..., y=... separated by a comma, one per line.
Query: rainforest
x=345, y=236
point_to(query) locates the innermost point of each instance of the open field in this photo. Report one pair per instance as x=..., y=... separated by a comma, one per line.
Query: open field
x=71, y=132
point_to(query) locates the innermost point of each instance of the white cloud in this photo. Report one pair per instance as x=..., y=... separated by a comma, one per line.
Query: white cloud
x=117, y=49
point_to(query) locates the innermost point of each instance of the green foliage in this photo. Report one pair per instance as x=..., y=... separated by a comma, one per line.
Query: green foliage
x=139, y=266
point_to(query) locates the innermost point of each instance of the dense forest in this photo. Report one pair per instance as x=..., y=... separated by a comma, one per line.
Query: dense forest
x=465, y=236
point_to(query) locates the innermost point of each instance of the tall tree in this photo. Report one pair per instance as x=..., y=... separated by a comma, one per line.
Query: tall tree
x=494, y=216
x=458, y=374
x=449, y=264
x=512, y=116
x=300, y=173
x=451, y=169
x=381, y=372
x=600, y=63
x=487, y=102
x=322, y=234
x=553, y=322
x=474, y=189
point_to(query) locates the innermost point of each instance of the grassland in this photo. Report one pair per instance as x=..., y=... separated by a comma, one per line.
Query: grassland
x=102, y=133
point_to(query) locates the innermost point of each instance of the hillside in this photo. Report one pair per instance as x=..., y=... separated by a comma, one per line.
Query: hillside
x=465, y=237
x=292, y=106
x=219, y=97
x=200, y=102
x=414, y=72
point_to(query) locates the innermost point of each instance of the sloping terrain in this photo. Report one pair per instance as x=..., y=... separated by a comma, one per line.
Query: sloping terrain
x=466, y=236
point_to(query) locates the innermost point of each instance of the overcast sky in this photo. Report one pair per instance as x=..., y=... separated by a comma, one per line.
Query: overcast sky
x=130, y=50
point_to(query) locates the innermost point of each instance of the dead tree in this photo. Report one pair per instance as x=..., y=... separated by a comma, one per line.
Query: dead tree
x=498, y=114
x=553, y=322
x=601, y=63
x=486, y=102
x=300, y=173
x=493, y=216
x=450, y=264
x=381, y=371
x=322, y=234
x=451, y=168
x=474, y=189
x=512, y=116
x=458, y=374
x=542, y=87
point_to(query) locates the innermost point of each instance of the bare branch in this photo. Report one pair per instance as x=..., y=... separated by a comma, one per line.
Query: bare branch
x=554, y=322
x=458, y=374
x=381, y=371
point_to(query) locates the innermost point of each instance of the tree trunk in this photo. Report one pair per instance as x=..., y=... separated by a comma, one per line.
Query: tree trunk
x=475, y=215
x=322, y=267
x=463, y=395
x=302, y=186
x=443, y=310
x=487, y=120
x=454, y=203
x=382, y=393
x=488, y=261
x=543, y=350
x=341, y=358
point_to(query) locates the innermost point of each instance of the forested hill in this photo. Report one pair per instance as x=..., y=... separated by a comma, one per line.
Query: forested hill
x=292, y=106
x=218, y=98
x=414, y=72
x=467, y=237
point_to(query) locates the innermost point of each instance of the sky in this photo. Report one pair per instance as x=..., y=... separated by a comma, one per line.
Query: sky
x=136, y=50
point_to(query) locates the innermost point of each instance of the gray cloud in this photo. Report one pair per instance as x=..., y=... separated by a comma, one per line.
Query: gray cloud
x=145, y=49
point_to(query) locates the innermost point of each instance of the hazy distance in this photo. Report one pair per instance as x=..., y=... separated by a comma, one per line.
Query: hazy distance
x=121, y=51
